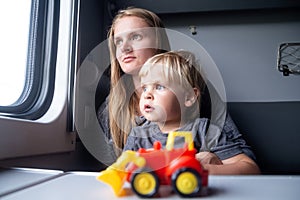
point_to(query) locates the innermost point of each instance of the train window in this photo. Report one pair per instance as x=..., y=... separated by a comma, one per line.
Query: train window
x=28, y=48
x=14, y=41
x=37, y=117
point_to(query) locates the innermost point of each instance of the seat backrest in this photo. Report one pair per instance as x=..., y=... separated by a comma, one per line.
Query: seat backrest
x=273, y=131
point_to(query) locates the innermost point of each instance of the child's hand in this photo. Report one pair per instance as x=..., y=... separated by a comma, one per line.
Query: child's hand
x=208, y=158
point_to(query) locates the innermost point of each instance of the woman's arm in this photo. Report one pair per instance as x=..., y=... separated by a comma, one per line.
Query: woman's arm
x=236, y=165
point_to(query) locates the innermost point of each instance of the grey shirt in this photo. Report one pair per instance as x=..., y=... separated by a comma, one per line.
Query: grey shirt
x=224, y=145
x=224, y=141
x=144, y=136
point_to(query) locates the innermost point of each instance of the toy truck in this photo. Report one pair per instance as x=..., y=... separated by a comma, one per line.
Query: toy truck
x=147, y=169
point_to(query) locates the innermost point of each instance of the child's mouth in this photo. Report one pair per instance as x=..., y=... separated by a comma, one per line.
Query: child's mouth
x=148, y=108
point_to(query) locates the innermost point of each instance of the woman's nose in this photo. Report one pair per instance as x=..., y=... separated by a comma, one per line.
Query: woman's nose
x=126, y=47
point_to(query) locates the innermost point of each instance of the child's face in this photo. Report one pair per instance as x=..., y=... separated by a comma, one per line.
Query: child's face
x=160, y=101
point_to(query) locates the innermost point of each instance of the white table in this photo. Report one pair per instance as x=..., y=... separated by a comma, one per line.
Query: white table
x=84, y=186
x=12, y=180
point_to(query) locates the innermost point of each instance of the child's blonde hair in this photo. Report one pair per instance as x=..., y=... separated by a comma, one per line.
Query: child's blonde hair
x=180, y=68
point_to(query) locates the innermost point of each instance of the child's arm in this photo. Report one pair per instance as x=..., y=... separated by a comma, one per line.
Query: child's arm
x=237, y=165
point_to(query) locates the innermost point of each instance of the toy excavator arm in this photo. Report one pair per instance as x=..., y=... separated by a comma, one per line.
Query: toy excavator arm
x=115, y=175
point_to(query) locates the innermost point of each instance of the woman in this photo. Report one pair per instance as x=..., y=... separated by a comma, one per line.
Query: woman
x=126, y=63
x=136, y=35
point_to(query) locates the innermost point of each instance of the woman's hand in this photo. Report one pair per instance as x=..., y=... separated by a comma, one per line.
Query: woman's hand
x=208, y=158
x=238, y=164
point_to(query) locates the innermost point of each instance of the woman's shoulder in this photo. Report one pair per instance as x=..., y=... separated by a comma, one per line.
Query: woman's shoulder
x=200, y=121
x=103, y=108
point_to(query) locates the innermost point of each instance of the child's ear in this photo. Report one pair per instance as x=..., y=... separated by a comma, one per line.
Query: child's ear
x=191, y=97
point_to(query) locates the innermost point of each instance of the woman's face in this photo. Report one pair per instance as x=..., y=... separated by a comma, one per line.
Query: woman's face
x=135, y=43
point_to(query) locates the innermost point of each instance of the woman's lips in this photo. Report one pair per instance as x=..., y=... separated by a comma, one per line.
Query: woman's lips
x=128, y=59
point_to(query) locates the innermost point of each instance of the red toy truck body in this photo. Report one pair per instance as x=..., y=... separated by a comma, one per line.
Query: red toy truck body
x=147, y=169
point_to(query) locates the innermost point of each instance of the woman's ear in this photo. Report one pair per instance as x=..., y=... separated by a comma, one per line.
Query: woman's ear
x=191, y=97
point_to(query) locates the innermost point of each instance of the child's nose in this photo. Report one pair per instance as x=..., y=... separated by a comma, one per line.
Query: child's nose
x=148, y=95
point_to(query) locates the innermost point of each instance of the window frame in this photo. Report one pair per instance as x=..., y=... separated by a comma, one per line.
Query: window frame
x=51, y=130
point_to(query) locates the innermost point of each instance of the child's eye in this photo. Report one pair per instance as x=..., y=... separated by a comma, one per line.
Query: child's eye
x=144, y=88
x=160, y=87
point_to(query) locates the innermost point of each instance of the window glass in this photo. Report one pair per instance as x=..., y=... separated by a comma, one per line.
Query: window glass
x=15, y=24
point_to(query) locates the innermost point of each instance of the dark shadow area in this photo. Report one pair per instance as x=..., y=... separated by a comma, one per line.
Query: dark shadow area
x=273, y=131
x=78, y=160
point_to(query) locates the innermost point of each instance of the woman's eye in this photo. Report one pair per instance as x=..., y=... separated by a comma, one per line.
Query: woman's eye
x=118, y=42
x=136, y=37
